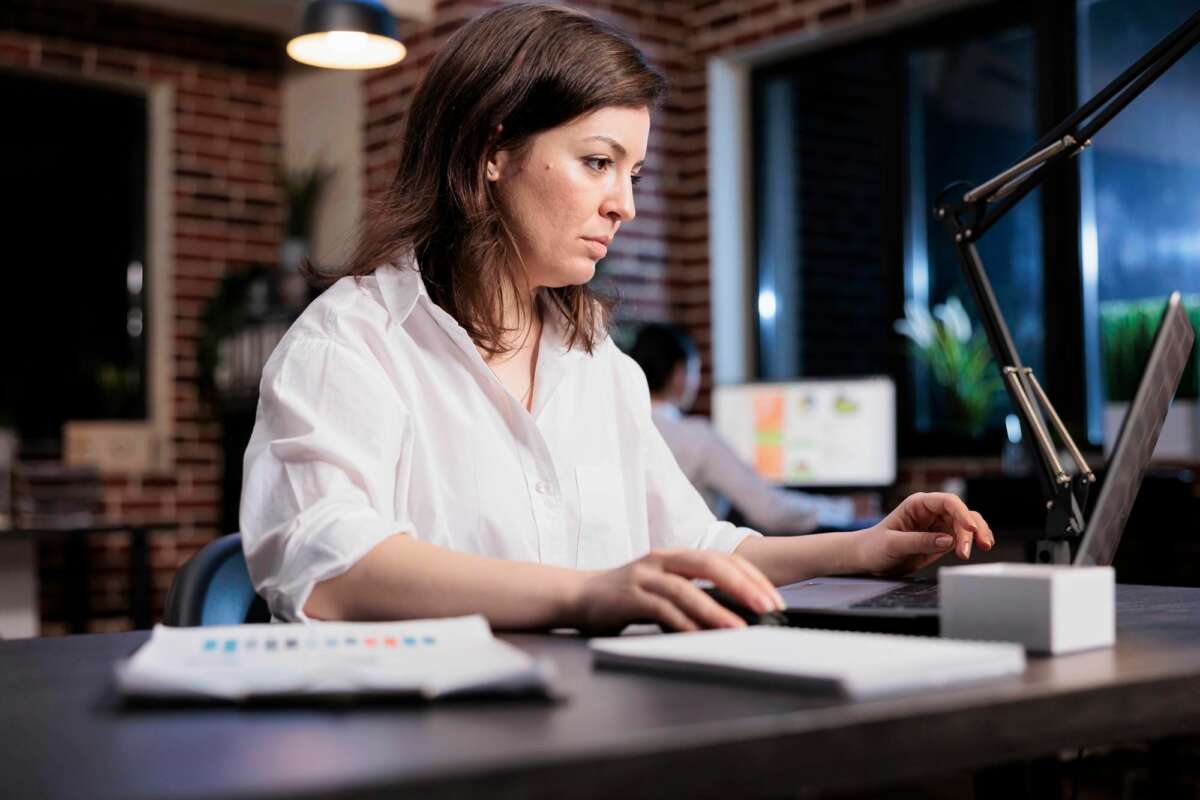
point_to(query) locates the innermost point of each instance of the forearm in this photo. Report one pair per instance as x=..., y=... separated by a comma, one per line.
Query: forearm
x=789, y=559
x=405, y=578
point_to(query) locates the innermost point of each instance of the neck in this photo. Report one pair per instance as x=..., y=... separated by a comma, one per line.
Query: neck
x=521, y=317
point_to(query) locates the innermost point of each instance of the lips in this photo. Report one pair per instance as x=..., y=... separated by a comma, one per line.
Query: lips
x=597, y=247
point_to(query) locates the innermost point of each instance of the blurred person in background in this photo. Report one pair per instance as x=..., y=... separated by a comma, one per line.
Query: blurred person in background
x=668, y=356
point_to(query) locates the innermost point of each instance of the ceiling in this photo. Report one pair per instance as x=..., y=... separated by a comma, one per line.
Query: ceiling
x=279, y=16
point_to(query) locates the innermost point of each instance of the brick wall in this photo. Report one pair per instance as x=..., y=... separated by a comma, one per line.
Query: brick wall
x=227, y=214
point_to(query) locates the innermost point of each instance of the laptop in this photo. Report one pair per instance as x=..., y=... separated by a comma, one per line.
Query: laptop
x=911, y=606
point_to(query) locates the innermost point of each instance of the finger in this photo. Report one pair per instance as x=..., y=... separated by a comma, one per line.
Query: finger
x=688, y=598
x=955, y=511
x=985, y=537
x=761, y=580
x=907, y=543
x=719, y=568
x=665, y=613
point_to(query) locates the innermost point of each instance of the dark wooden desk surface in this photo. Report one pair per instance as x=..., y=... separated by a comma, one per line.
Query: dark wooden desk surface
x=619, y=734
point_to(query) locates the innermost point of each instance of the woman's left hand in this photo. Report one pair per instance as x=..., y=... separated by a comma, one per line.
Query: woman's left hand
x=921, y=530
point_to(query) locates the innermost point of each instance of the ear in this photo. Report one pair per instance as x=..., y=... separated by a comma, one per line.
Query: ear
x=498, y=160
x=497, y=164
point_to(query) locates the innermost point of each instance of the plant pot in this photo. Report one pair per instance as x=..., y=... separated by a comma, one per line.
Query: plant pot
x=1180, y=436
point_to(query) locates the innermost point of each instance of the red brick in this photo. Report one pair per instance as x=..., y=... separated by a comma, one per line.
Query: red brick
x=16, y=53
x=835, y=13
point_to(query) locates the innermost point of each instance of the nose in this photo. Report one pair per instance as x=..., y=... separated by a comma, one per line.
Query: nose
x=618, y=205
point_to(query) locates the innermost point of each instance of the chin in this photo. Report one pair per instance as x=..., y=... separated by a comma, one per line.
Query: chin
x=574, y=274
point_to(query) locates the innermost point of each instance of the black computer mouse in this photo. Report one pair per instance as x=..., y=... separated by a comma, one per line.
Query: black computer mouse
x=752, y=617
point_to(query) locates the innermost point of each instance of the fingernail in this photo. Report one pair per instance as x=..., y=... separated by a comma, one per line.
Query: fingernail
x=780, y=603
x=967, y=550
x=765, y=603
x=943, y=541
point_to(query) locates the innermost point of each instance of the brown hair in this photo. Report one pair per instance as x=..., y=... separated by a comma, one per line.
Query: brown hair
x=527, y=68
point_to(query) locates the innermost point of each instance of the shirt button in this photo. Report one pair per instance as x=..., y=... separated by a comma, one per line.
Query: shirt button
x=541, y=487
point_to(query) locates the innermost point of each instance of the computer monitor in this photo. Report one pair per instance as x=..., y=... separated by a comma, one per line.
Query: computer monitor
x=839, y=432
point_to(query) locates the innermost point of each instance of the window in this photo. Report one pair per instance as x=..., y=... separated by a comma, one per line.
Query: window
x=853, y=145
x=74, y=314
x=823, y=134
x=1140, y=181
x=852, y=148
x=970, y=114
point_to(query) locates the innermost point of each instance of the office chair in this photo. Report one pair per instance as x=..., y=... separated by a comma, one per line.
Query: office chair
x=214, y=588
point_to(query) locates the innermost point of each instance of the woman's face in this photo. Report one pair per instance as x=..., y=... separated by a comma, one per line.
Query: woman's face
x=566, y=197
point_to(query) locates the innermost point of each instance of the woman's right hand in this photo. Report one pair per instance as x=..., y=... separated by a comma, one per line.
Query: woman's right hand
x=658, y=587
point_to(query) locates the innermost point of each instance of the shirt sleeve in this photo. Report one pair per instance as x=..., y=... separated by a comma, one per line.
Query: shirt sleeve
x=768, y=508
x=320, y=470
x=678, y=515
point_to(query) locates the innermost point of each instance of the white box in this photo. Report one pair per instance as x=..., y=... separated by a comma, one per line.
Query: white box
x=1049, y=608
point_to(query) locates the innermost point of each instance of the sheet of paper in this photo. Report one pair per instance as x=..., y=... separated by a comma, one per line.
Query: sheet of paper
x=425, y=658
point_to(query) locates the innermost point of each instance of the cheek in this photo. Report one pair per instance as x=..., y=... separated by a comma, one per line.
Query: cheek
x=550, y=205
x=562, y=197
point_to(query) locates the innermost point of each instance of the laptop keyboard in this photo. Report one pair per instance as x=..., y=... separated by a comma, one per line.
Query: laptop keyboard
x=912, y=595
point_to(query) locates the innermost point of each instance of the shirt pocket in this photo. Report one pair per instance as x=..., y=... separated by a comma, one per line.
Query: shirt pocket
x=604, y=538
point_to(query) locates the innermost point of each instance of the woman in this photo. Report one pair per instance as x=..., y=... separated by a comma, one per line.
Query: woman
x=449, y=430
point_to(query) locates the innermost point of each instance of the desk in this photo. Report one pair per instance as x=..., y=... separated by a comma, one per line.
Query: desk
x=619, y=734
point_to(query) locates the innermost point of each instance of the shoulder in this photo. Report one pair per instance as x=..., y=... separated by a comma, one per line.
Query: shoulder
x=337, y=331
x=347, y=309
x=618, y=362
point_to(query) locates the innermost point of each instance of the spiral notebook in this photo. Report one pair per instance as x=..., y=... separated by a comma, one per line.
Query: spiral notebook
x=856, y=665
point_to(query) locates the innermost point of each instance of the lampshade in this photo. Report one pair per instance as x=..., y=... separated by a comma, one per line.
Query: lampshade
x=347, y=34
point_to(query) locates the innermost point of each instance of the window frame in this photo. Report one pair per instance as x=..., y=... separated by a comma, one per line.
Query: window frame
x=145, y=445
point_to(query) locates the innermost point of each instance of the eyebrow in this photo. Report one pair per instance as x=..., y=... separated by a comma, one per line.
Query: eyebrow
x=621, y=151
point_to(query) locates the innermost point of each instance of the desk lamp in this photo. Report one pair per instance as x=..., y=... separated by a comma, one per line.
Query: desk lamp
x=969, y=211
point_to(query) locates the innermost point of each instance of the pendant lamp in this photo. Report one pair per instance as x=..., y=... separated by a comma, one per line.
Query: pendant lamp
x=347, y=34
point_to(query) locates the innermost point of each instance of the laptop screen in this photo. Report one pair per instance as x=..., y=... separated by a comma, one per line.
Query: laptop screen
x=1139, y=433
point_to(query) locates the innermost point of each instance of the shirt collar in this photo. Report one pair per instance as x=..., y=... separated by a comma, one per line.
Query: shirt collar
x=401, y=286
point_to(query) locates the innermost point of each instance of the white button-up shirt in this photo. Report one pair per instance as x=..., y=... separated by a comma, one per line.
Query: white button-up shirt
x=377, y=416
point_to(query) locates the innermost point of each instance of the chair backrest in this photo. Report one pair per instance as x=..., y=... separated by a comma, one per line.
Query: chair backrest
x=214, y=588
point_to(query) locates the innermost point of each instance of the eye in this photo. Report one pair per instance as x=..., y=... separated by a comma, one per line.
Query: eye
x=602, y=163
x=598, y=163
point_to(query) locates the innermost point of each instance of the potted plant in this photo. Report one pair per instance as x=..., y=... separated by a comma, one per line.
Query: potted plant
x=302, y=189
x=958, y=359
x=1126, y=334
